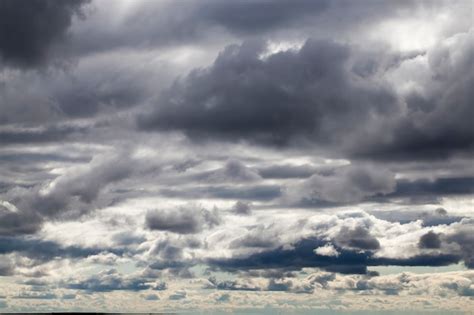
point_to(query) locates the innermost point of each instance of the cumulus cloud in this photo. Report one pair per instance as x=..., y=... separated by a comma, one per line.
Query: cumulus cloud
x=283, y=96
x=326, y=250
x=183, y=220
x=312, y=94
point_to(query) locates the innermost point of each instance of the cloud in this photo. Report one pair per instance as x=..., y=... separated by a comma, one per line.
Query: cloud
x=258, y=16
x=272, y=100
x=430, y=240
x=183, y=220
x=287, y=171
x=107, y=281
x=312, y=95
x=439, y=216
x=443, y=186
x=6, y=267
x=348, y=244
x=40, y=135
x=31, y=29
x=43, y=251
x=358, y=238
x=223, y=298
x=17, y=223
x=151, y=297
x=345, y=185
x=432, y=129
x=70, y=194
x=36, y=296
x=326, y=250
x=241, y=208
x=259, y=236
x=177, y=295
x=233, y=171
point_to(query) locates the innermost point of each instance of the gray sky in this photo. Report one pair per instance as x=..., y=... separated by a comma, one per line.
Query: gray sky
x=245, y=156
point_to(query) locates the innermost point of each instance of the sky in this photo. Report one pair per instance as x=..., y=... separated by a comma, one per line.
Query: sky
x=247, y=157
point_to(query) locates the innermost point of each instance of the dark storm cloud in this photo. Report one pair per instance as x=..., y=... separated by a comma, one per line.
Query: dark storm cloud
x=17, y=223
x=43, y=251
x=316, y=94
x=182, y=220
x=436, y=187
x=347, y=262
x=306, y=93
x=464, y=239
x=300, y=257
x=30, y=29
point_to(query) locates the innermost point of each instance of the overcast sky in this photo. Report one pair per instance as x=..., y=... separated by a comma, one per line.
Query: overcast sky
x=249, y=156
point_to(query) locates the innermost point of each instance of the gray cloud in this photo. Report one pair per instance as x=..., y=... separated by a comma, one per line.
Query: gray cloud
x=31, y=29
x=232, y=171
x=177, y=295
x=358, y=238
x=70, y=194
x=306, y=92
x=242, y=208
x=6, y=267
x=109, y=280
x=310, y=95
x=429, y=218
x=344, y=185
x=182, y=220
x=287, y=171
x=40, y=251
x=36, y=296
x=311, y=109
x=430, y=240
